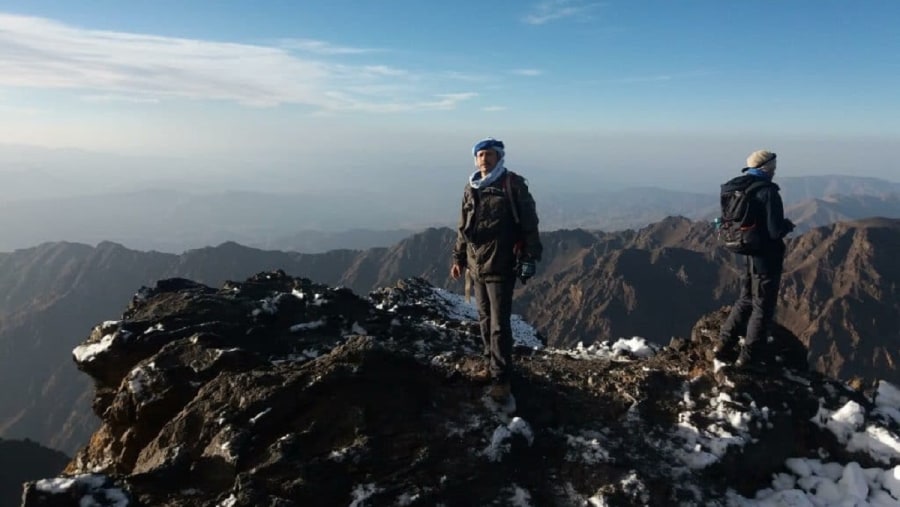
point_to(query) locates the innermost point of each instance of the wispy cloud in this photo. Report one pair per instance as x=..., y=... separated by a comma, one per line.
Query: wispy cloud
x=553, y=10
x=492, y=109
x=322, y=47
x=467, y=77
x=105, y=65
x=120, y=98
x=528, y=72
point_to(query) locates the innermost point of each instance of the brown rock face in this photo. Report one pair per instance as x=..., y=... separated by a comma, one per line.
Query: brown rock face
x=841, y=297
x=840, y=291
x=277, y=391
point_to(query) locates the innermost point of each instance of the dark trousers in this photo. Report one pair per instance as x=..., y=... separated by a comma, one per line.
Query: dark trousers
x=754, y=310
x=494, y=301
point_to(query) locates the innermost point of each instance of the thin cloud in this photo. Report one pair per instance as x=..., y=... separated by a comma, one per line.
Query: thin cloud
x=39, y=53
x=120, y=98
x=553, y=10
x=492, y=109
x=528, y=72
x=463, y=76
x=323, y=48
x=442, y=102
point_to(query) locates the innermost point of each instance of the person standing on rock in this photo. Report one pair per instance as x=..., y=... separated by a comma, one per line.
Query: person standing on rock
x=497, y=241
x=753, y=312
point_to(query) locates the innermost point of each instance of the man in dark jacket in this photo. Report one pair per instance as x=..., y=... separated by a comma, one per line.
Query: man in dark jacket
x=497, y=240
x=754, y=309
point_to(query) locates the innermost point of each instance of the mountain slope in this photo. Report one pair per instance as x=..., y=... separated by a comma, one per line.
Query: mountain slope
x=841, y=297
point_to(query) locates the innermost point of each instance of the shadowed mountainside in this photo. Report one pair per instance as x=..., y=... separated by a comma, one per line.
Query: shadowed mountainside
x=22, y=461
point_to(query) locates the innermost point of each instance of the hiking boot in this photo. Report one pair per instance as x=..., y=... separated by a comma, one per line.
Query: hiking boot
x=744, y=360
x=725, y=352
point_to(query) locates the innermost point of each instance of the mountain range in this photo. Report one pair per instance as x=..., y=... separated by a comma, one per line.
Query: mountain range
x=840, y=297
x=175, y=220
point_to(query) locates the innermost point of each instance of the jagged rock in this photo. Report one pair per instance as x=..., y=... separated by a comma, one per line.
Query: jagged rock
x=279, y=391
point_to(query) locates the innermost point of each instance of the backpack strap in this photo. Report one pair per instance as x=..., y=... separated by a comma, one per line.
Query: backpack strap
x=756, y=186
x=749, y=191
x=512, y=201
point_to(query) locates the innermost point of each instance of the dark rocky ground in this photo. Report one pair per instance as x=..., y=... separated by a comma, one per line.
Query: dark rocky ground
x=280, y=392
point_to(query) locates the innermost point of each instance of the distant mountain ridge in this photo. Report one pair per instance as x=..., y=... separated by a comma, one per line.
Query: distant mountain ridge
x=841, y=208
x=801, y=188
x=838, y=297
x=175, y=220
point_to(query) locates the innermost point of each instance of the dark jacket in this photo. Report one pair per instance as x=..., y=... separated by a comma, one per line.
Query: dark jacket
x=487, y=230
x=767, y=211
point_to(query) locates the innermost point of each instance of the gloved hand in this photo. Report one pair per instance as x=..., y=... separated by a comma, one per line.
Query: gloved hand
x=526, y=270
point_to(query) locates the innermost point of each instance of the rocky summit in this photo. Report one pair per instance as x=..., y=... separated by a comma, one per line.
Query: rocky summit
x=277, y=391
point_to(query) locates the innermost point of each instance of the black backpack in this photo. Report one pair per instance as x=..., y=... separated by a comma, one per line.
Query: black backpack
x=737, y=228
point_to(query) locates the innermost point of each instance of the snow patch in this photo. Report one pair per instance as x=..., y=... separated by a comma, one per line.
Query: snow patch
x=848, y=425
x=361, y=493
x=623, y=349
x=586, y=448
x=308, y=325
x=88, y=352
x=500, y=444
x=260, y=415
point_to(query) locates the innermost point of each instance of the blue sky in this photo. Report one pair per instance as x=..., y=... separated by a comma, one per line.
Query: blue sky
x=617, y=85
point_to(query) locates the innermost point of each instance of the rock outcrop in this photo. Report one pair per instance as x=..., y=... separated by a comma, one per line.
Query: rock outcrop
x=277, y=391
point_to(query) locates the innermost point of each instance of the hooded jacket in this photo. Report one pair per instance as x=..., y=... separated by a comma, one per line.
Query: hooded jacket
x=767, y=211
x=487, y=231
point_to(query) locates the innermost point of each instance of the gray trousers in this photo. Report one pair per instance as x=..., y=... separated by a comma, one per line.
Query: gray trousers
x=755, y=307
x=494, y=301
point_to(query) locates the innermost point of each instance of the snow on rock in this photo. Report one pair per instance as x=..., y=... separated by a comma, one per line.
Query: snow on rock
x=85, y=353
x=623, y=349
x=887, y=399
x=456, y=308
x=305, y=326
x=727, y=424
x=817, y=484
x=138, y=381
x=586, y=448
x=85, y=490
x=520, y=497
x=848, y=425
x=361, y=493
x=500, y=439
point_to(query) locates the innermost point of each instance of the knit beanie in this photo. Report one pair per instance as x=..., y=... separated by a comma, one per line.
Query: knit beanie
x=762, y=159
x=489, y=144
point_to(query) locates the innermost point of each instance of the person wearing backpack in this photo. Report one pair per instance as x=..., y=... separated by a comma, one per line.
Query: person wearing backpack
x=497, y=241
x=753, y=226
